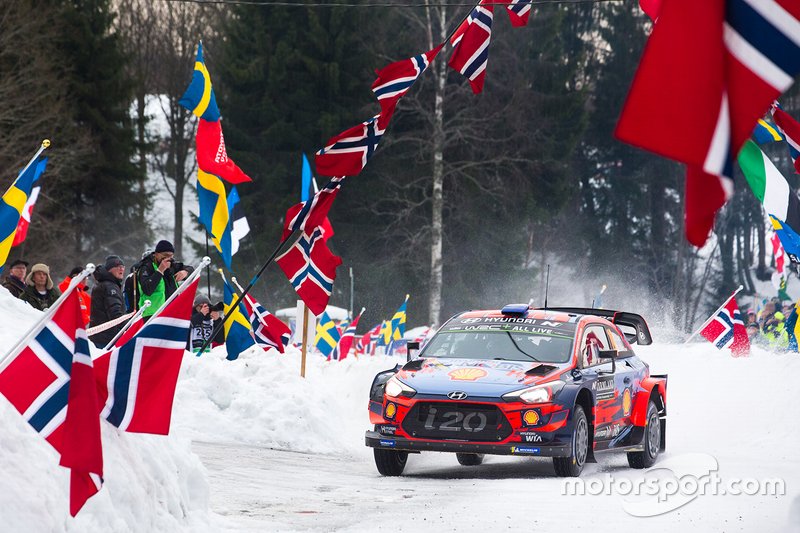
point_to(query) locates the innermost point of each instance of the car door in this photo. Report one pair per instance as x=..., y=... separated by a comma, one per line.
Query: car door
x=626, y=378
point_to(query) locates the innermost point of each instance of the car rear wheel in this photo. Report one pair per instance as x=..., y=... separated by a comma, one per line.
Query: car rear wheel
x=390, y=462
x=572, y=466
x=652, y=441
x=469, y=459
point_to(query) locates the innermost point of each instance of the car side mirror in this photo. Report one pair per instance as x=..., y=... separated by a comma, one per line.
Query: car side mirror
x=411, y=348
x=609, y=354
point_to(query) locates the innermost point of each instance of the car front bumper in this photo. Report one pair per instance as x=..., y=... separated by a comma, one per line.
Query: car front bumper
x=373, y=439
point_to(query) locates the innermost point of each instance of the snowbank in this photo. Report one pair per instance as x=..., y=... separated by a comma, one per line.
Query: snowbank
x=261, y=399
x=151, y=482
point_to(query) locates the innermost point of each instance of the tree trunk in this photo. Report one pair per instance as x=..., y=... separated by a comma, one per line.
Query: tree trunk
x=437, y=197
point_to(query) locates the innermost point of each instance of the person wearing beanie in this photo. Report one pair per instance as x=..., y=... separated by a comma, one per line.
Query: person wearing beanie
x=158, y=277
x=83, y=293
x=202, y=323
x=39, y=289
x=217, y=314
x=108, y=301
x=15, y=281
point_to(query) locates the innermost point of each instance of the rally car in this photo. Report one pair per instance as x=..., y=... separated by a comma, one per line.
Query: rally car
x=555, y=382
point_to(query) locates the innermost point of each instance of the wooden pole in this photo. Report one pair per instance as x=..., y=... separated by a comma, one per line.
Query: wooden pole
x=305, y=342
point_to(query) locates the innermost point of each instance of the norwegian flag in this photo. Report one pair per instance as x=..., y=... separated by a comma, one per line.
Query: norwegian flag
x=311, y=268
x=345, y=343
x=791, y=132
x=518, y=12
x=709, y=72
x=25, y=217
x=50, y=383
x=726, y=329
x=347, y=154
x=471, y=46
x=136, y=380
x=396, y=79
x=212, y=157
x=366, y=344
x=268, y=329
x=313, y=213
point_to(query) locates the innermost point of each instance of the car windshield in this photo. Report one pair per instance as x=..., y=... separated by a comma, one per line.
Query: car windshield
x=543, y=346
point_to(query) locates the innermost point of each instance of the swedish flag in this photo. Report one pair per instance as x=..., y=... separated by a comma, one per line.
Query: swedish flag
x=385, y=333
x=199, y=96
x=328, y=335
x=237, y=327
x=399, y=321
x=13, y=203
x=214, y=213
x=766, y=132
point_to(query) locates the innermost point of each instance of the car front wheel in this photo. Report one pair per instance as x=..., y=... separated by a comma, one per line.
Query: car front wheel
x=572, y=466
x=390, y=462
x=469, y=459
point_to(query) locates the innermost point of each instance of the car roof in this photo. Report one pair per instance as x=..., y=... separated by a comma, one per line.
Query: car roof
x=538, y=314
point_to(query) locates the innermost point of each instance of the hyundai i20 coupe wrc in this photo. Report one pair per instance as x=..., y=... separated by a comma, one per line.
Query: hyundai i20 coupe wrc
x=554, y=382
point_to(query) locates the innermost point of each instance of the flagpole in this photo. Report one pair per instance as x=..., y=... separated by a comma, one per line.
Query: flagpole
x=208, y=272
x=708, y=321
x=45, y=144
x=305, y=341
x=145, y=305
x=47, y=315
x=239, y=297
x=351, y=293
x=455, y=29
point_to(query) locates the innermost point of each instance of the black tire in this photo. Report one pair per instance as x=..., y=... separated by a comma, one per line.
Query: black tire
x=390, y=462
x=572, y=466
x=652, y=441
x=469, y=459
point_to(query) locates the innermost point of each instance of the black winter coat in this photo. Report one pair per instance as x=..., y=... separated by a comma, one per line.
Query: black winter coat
x=108, y=303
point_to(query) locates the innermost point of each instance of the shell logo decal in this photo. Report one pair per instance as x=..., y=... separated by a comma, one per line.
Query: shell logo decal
x=391, y=410
x=467, y=374
x=531, y=418
x=626, y=402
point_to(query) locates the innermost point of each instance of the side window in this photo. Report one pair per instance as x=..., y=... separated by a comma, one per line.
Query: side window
x=594, y=340
x=617, y=342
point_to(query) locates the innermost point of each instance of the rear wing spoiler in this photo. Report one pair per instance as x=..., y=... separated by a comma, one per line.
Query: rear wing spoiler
x=618, y=318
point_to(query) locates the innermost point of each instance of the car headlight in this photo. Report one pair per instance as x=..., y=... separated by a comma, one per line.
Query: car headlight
x=543, y=393
x=396, y=388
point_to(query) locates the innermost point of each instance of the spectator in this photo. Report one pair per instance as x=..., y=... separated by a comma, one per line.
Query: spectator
x=159, y=276
x=217, y=314
x=39, y=289
x=202, y=323
x=83, y=293
x=108, y=302
x=15, y=281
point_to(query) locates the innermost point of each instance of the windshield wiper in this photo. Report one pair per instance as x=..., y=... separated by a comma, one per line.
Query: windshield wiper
x=523, y=352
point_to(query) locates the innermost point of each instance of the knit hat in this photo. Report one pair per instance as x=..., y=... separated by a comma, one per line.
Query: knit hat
x=18, y=262
x=39, y=267
x=201, y=299
x=113, y=261
x=164, y=246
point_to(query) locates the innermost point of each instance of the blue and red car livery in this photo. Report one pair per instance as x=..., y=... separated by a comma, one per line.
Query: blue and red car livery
x=557, y=382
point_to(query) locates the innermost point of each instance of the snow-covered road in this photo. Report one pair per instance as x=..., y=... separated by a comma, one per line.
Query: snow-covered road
x=737, y=414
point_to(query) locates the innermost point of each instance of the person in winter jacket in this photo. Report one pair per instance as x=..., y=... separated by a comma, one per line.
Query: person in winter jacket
x=39, y=289
x=202, y=323
x=83, y=293
x=217, y=314
x=158, y=277
x=15, y=281
x=108, y=302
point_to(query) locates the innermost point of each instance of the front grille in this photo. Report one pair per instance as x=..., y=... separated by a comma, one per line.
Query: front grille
x=456, y=421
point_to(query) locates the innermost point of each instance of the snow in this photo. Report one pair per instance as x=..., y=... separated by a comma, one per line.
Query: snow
x=281, y=453
x=151, y=482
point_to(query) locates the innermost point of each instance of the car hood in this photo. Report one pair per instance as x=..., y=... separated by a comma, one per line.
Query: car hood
x=476, y=377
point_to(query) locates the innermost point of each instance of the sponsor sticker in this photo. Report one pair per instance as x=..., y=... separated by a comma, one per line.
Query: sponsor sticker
x=529, y=436
x=387, y=430
x=390, y=411
x=524, y=449
x=608, y=432
x=467, y=374
x=388, y=443
x=604, y=388
x=627, y=402
x=530, y=417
